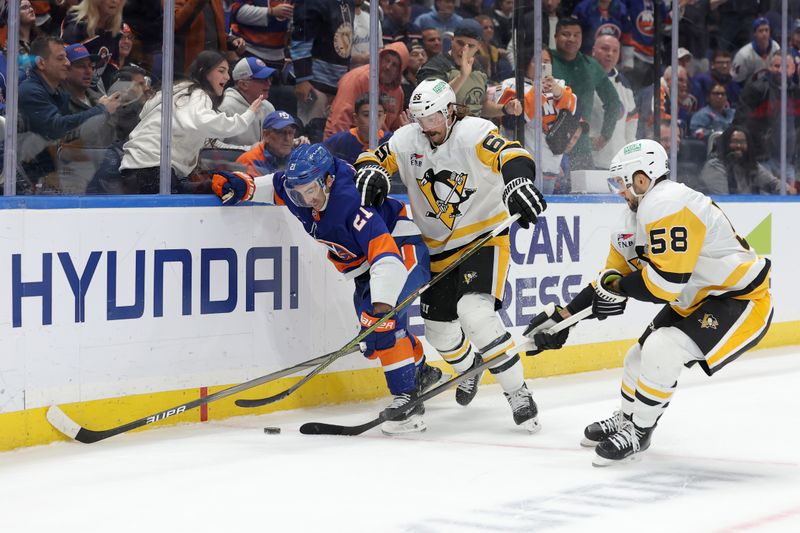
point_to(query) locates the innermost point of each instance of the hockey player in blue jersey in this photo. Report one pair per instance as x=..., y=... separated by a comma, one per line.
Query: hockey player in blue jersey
x=380, y=248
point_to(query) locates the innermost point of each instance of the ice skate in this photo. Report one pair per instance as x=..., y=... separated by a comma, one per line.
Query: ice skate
x=429, y=377
x=624, y=445
x=524, y=409
x=600, y=431
x=409, y=421
x=467, y=389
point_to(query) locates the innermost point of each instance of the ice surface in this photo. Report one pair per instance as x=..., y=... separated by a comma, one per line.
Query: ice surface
x=725, y=457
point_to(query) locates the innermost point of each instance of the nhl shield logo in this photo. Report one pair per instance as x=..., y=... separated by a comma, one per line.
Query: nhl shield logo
x=445, y=191
x=708, y=322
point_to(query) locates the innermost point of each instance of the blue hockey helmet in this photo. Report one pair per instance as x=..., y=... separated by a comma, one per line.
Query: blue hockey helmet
x=308, y=163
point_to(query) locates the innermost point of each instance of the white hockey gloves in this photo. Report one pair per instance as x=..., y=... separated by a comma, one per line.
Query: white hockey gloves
x=372, y=181
x=523, y=198
x=608, y=302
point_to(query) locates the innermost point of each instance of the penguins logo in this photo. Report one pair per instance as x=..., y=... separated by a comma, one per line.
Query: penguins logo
x=470, y=276
x=708, y=322
x=445, y=191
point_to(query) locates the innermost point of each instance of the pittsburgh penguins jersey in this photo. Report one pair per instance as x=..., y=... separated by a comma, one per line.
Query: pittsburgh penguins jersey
x=358, y=239
x=455, y=189
x=686, y=251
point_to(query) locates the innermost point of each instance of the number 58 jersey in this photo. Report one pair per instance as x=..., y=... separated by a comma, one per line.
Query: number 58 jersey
x=688, y=251
x=455, y=189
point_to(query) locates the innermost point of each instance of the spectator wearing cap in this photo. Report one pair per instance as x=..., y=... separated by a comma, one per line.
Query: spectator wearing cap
x=752, y=58
x=96, y=24
x=416, y=58
x=44, y=106
x=393, y=61
x=349, y=144
x=603, y=17
x=464, y=72
x=278, y=139
x=442, y=17
x=251, y=79
x=586, y=77
x=397, y=25
x=79, y=78
x=685, y=58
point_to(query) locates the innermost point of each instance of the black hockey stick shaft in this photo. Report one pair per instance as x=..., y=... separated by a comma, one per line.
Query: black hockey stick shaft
x=70, y=428
x=258, y=402
x=321, y=428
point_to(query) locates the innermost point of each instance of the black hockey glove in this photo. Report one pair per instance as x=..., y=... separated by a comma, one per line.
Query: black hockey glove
x=538, y=328
x=606, y=302
x=523, y=198
x=372, y=181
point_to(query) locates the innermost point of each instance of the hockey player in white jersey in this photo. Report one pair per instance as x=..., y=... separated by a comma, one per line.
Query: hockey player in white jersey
x=463, y=180
x=674, y=246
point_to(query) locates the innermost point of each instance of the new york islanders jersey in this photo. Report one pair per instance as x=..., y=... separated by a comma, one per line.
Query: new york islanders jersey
x=455, y=189
x=687, y=250
x=357, y=238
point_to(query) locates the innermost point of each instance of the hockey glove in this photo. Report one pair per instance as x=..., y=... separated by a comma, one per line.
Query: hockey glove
x=383, y=337
x=233, y=187
x=372, y=181
x=523, y=198
x=538, y=328
x=607, y=302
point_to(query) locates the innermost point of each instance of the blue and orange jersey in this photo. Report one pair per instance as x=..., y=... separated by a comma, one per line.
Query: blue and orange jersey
x=266, y=33
x=356, y=236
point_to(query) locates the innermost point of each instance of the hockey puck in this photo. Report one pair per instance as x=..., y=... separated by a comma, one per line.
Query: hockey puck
x=272, y=430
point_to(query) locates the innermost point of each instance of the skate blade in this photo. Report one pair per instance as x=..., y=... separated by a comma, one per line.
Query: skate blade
x=414, y=424
x=589, y=443
x=532, y=425
x=603, y=462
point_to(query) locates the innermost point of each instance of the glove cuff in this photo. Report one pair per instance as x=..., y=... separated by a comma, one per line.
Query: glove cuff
x=368, y=321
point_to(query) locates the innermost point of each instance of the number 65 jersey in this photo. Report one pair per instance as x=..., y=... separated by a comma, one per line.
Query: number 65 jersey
x=686, y=251
x=455, y=189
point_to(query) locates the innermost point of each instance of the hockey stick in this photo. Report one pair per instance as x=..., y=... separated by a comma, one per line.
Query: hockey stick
x=321, y=428
x=258, y=402
x=73, y=430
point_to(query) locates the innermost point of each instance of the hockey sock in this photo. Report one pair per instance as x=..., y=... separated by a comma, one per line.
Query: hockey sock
x=398, y=366
x=509, y=374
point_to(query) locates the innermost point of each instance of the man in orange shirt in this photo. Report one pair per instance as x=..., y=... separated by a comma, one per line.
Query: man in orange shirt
x=278, y=139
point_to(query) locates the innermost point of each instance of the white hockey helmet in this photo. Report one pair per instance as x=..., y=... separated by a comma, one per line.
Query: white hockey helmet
x=431, y=96
x=646, y=156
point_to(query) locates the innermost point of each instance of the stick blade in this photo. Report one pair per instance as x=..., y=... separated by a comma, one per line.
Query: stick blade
x=59, y=420
x=258, y=402
x=321, y=428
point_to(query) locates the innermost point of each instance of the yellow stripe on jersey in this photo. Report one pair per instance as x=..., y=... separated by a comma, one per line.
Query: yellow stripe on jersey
x=382, y=155
x=476, y=228
x=731, y=281
x=750, y=327
x=502, y=258
x=656, y=290
x=618, y=262
x=494, y=150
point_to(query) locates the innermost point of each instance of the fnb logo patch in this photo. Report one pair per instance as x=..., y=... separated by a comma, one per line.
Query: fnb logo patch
x=415, y=160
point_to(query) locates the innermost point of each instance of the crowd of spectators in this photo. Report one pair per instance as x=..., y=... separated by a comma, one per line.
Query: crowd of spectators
x=256, y=78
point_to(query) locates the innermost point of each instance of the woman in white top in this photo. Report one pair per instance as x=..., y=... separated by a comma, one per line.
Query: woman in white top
x=194, y=119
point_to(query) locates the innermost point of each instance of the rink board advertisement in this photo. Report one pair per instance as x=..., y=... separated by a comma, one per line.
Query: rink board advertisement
x=112, y=302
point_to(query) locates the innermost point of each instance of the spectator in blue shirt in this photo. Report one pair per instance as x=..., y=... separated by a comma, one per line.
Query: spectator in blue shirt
x=441, y=17
x=349, y=144
x=716, y=116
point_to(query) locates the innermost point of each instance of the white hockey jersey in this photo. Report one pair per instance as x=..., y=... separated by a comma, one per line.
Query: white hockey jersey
x=687, y=249
x=455, y=190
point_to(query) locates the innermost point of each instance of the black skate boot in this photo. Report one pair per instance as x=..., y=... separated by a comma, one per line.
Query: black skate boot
x=428, y=377
x=408, y=421
x=624, y=445
x=524, y=409
x=468, y=388
x=600, y=431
